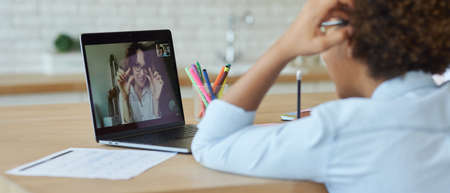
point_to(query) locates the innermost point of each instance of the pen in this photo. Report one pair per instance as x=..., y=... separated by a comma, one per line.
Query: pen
x=205, y=102
x=199, y=84
x=331, y=23
x=208, y=83
x=334, y=22
x=299, y=93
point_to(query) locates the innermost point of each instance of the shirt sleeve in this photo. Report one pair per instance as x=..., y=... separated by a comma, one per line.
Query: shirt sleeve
x=228, y=141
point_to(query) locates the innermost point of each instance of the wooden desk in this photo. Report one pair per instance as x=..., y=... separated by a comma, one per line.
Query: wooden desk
x=41, y=83
x=32, y=132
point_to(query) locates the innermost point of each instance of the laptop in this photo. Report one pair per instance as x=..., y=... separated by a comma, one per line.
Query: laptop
x=134, y=91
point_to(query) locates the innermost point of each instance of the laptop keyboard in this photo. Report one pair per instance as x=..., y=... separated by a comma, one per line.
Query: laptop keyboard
x=188, y=131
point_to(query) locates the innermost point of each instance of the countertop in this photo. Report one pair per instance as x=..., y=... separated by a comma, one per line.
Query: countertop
x=42, y=83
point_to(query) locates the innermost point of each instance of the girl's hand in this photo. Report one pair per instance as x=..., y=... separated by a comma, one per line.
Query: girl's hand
x=123, y=80
x=156, y=83
x=304, y=36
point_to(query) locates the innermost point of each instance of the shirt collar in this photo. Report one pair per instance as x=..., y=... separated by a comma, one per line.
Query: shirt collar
x=403, y=84
x=146, y=90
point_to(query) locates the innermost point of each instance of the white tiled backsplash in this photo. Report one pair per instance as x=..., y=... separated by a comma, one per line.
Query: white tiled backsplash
x=29, y=27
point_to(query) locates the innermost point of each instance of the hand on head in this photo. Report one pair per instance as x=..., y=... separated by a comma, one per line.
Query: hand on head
x=304, y=36
x=123, y=80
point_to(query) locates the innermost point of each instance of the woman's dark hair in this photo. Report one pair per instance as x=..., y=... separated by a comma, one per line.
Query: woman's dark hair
x=397, y=36
x=131, y=53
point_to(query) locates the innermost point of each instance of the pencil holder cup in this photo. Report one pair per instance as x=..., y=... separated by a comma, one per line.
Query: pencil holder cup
x=200, y=101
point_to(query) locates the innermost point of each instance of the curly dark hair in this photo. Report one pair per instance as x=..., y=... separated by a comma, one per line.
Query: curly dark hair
x=397, y=36
x=132, y=51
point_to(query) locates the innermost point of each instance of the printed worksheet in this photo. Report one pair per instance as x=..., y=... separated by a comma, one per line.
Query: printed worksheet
x=93, y=163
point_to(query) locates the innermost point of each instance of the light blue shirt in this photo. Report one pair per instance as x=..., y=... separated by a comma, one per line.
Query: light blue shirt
x=398, y=141
x=141, y=109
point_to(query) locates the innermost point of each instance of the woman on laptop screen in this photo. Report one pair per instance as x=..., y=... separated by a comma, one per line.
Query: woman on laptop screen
x=140, y=86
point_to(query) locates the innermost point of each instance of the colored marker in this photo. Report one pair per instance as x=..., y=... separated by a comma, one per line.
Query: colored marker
x=205, y=102
x=220, y=94
x=199, y=72
x=222, y=79
x=195, y=68
x=199, y=84
x=216, y=82
x=208, y=83
x=299, y=93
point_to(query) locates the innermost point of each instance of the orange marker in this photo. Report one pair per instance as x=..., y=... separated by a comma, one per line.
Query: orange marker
x=217, y=81
x=222, y=80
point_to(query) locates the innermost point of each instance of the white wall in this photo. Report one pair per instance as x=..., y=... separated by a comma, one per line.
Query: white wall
x=28, y=27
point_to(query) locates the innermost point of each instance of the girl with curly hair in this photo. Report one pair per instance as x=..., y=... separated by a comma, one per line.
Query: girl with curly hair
x=389, y=132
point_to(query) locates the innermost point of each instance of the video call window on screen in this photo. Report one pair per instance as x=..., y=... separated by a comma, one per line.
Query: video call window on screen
x=163, y=50
x=131, y=83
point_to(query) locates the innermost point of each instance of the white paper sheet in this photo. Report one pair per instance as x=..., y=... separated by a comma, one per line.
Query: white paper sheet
x=93, y=163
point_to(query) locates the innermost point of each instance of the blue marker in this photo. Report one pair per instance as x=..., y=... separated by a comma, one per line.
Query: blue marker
x=208, y=83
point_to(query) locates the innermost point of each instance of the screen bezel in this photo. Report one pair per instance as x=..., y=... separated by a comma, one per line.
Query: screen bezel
x=128, y=37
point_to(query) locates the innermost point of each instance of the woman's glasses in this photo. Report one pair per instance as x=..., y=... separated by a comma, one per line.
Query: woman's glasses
x=138, y=68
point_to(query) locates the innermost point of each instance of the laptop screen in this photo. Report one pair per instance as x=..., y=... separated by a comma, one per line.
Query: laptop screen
x=133, y=85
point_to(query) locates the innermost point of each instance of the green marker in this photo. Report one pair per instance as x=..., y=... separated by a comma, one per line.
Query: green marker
x=199, y=72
